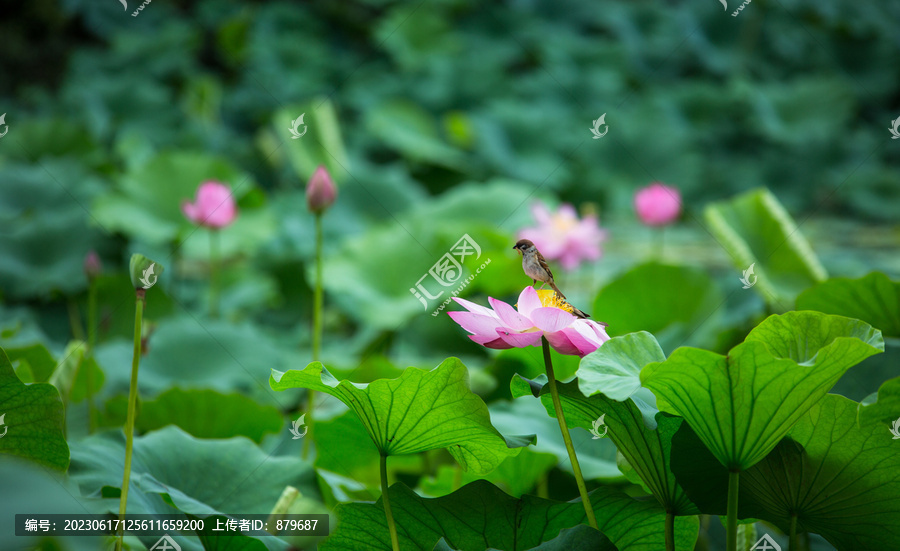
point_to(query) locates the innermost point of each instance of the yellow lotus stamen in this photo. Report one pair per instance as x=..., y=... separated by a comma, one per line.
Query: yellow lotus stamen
x=549, y=297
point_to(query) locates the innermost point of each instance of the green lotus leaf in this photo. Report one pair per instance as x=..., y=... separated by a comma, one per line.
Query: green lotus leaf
x=614, y=369
x=647, y=450
x=830, y=477
x=756, y=230
x=206, y=413
x=642, y=299
x=31, y=420
x=419, y=411
x=874, y=298
x=882, y=407
x=742, y=404
x=171, y=468
x=480, y=516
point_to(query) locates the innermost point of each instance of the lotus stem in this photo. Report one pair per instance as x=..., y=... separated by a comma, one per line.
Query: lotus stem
x=132, y=406
x=670, y=531
x=92, y=341
x=288, y=495
x=560, y=417
x=392, y=528
x=731, y=528
x=318, y=301
x=794, y=544
x=213, y=273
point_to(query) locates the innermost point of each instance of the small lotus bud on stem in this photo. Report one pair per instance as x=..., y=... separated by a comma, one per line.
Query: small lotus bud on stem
x=92, y=265
x=144, y=273
x=320, y=191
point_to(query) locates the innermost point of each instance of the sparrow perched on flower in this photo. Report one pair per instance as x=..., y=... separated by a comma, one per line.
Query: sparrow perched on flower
x=536, y=268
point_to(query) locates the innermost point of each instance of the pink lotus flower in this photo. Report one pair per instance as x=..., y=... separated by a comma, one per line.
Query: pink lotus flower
x=213, y=208
x=562, y=236
x=540, y=314
x=657, y=204
x=92, y=265
x=320, y=190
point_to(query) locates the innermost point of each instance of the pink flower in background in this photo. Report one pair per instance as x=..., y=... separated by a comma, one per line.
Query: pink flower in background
x=540, y=314
x=320, y=190
x=92, y=265
x=562, y=236
x=657, y=204
x=213, y=208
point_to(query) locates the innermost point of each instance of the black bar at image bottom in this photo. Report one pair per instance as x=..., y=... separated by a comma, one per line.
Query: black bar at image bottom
x=158, y=524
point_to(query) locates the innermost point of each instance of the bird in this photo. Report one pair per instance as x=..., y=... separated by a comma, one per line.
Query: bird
x=537, y=269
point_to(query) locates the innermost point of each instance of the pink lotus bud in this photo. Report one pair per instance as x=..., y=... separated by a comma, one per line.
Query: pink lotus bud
x=320, y=191
x=214, y=206
x=92, y=264
x=657, y=204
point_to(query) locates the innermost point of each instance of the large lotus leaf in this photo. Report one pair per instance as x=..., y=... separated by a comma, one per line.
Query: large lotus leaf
x=370, y=276
x=596, y=457
x=578, y=537
x=841, y=481
x=47, y=227
x=882, y=407
x=678, y=304
x=191, y=353
x=875, y=299
x=412, y=131
x=149, y=197
x=343, y=447
x=31, y=420
x=209, y=414
x=200, y=477
x=614, y=369
x=34, y=359
x=742, y=404
x=844, y=485
x=28, y=488
x=479, y=516
x=647, y=450
x=755, y=229
x=515, y=476
x=419, y=411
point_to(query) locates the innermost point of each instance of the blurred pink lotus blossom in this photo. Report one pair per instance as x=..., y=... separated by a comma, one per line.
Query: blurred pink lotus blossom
x=562, y=236
x=92, y=265
x=320, y=190
x=657, y=204
x=213, y=208
x=540, y=314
